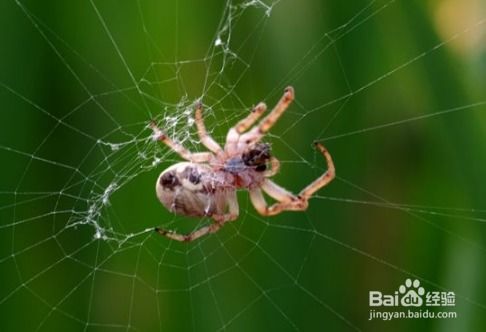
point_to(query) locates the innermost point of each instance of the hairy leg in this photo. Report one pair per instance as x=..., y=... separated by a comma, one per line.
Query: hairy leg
x=231, y=203
x=288, y=202
x=219, y=221
x=325, y=178
x=206, y=140
x=284, y=102
x=264, y=126
x=197, y=157
x=212, y=228
x=274, y=167
x=285, y=199
x=247, y=122
x=277, y=192
x=232, y=139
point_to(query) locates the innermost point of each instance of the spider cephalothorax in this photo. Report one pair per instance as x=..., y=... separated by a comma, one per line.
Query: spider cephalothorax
x=257, y=156
x=206, y=184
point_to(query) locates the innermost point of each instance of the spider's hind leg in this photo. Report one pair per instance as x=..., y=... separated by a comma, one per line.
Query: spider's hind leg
x=230, y=201
x=220, y=220
x=212, y=228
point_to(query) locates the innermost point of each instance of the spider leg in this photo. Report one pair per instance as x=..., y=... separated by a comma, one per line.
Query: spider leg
x=212, y=228
x=264, y=126
x=325, y=178
x=247, y=122
x=231, y=202
x=197, y=157
x=258, y=201
x=233, y=140
x=219, y=221
x=206, y=140
x=284, y=102
x=277, y=192
x=287, y=200
x=274, y=167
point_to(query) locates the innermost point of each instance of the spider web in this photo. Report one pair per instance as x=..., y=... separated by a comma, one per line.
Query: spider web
x=79, y=163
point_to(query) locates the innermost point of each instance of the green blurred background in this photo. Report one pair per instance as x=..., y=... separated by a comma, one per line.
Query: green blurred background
x=80, y=80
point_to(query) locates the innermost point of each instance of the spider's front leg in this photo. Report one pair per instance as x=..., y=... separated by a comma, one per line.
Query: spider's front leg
x=206, y=140
x=324, y=179
x=254, y=115
x=287, y=200
x=197, y=157
x=264, y=126
x=234, y=133
x=284, y=102
x=274, y=167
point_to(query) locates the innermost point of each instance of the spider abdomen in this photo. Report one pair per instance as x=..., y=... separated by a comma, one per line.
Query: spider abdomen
x=190, y=189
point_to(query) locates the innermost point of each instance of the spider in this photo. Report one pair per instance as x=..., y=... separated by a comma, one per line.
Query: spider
x=206, y=184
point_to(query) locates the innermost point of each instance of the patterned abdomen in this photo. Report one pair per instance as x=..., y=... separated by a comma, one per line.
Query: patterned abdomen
x=184, y=189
